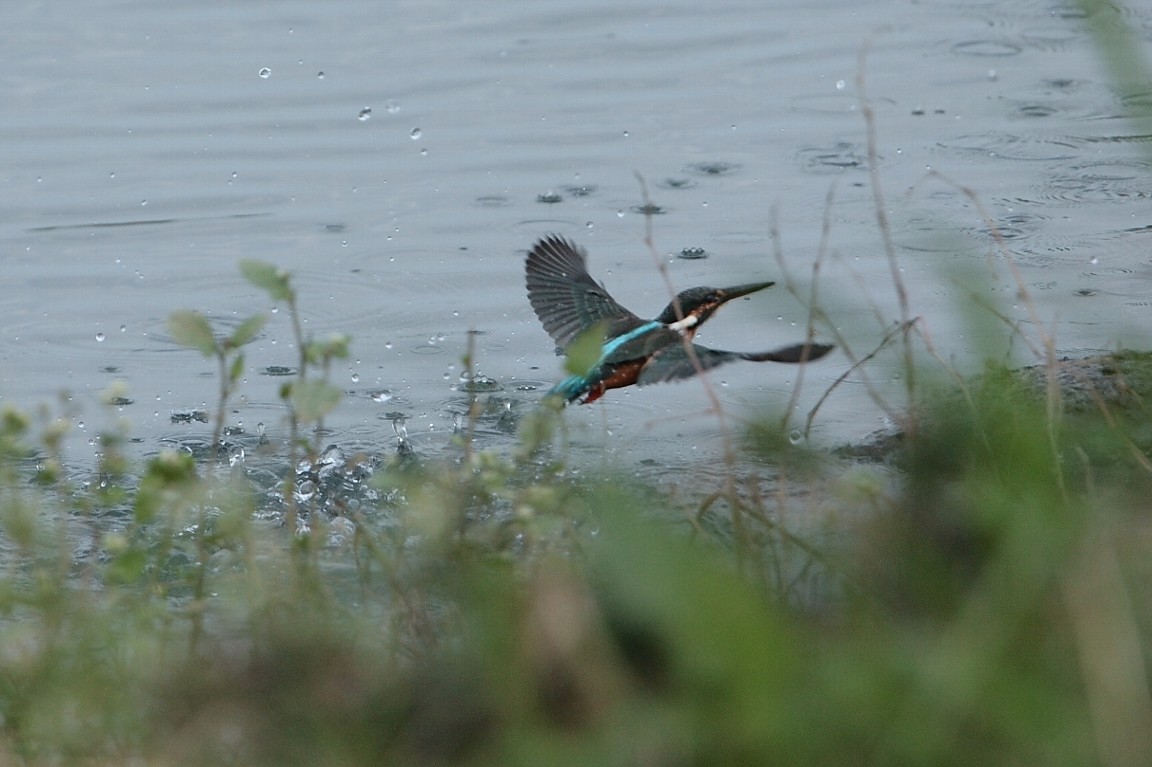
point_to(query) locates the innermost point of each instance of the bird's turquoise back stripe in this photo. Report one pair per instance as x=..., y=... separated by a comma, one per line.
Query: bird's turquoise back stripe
x=573, y=386
x=612, y=344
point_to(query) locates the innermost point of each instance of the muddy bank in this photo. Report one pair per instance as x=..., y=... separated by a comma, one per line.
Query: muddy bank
x=1109, y=388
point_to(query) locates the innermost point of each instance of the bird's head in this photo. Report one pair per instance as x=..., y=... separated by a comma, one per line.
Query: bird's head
x=692, y=307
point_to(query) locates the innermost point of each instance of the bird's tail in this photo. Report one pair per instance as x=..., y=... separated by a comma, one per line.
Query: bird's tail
x=795, y=353
x=571, y=388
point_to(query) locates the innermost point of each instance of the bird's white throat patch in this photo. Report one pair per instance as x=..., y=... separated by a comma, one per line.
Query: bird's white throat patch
x=684, y=324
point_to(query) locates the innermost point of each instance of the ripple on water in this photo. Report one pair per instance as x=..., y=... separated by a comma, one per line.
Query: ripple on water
x=712, y=168
x=1115, y=181
x=1141, y=100
x=692, y=253
x=1011, y=227
x=538, y=227
x=1134, y=138
x=1059, y=37
x=830, y=103
x=1060, y=97
x=1028, y=10
x=1035, y=110
x=931, y=234
x=987, y=48
x=1008, y=146
x=1109, y=256
x=837, y=158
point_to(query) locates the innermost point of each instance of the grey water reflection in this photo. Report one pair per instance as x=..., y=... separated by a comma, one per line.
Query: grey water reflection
x=399, y=159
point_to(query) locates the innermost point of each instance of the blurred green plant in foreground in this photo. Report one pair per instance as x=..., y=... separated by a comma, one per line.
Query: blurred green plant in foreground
x=990, y=612
x=986, y=609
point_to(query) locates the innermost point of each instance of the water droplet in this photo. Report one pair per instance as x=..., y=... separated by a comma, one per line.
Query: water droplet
x=399, y=426
x=365, y=114
x=416, y=134
x=320, y=75
x=265, y=73
x=112, y=174
x=355, y=378
x=626, y=134
x=143, y=203
x=392, y=105
x=841, y=85
x=123, y=328
x=1094, y=260
x=100, y=335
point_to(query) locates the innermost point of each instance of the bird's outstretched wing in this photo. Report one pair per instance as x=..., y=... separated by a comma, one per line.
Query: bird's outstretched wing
x=673, y=363
x=565, y=298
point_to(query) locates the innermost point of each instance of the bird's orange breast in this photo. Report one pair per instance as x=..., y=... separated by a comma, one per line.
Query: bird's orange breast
x=623, y=374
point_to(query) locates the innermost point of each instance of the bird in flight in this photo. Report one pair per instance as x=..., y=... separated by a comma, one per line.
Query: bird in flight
x=635, y=351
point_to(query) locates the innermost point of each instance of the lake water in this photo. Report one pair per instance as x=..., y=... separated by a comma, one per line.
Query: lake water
x=399, y=158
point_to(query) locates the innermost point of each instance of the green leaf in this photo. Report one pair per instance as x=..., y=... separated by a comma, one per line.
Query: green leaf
x=312, y=400
x=335, y=347
x=247, y=330
x=168, y=472
x=237, y=368
x=584, y=351
x=127, y=566
x=191, y=329
x=268, y=277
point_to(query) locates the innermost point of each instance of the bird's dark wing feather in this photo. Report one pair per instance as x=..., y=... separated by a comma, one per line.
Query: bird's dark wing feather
x=565, y=298
x=673, y=363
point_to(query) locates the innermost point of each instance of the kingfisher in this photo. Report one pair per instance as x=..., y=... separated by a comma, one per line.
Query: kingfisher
x=635, y=351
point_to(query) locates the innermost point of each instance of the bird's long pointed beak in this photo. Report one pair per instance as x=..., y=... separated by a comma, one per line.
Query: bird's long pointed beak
x=744, y=290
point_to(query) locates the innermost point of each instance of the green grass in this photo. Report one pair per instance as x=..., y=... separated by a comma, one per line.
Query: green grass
x=990, y=610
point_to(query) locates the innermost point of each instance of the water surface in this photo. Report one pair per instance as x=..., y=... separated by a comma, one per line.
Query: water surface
x=399, y=159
